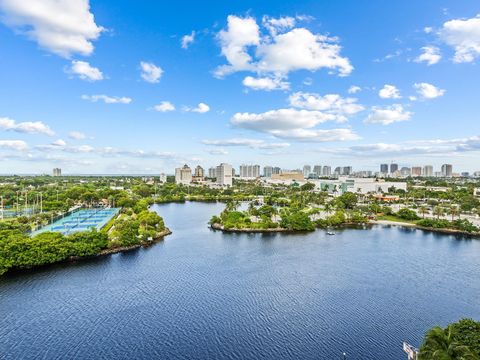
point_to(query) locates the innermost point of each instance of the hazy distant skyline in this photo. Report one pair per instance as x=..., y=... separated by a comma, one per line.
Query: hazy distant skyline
x=142, y=87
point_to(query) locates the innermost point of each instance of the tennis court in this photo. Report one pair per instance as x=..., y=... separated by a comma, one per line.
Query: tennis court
x=81, y=220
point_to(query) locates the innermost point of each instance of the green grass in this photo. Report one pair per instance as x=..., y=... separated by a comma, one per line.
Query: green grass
x=396, y=219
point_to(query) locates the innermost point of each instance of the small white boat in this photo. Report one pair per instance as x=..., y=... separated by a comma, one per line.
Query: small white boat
x=330, y=233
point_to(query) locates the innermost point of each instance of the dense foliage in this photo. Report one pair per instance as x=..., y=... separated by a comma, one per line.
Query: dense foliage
x=458, y=341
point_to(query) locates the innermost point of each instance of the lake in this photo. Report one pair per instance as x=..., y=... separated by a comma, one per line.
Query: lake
x=202, y=294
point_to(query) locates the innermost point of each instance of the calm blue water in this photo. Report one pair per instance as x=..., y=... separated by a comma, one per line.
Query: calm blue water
x=205, y=295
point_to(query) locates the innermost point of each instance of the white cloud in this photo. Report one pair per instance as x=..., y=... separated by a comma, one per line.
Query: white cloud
x=388, y=115
x=464, y=36
x=430, y=55
x=428, y=91
x=59, y=142
x=265, y=83
x=438, y=147
x=251, y=143
x=240, y=34
x=217, y=152
x=187, y=40
x=201, y=108
x=18, y=145
x=64, y=27
x=85, y=71
x=427, y=29
x=389, y=92
x=107, y=99
x=330, y=103
x=275, y=25
x=354, y=89
x=164, y=106
x=29, y=127
x=293, y=124
x=150, y=72
x=76, y=135
x=279, y=52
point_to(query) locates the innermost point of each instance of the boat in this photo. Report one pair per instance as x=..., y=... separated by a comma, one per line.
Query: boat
x=330, y=233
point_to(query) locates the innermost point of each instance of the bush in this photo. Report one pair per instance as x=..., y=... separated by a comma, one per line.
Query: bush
x=407, y=214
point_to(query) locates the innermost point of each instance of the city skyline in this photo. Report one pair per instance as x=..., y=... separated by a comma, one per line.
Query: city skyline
x=132, y=89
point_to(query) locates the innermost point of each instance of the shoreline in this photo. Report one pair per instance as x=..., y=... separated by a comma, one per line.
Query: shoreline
x=445, y=231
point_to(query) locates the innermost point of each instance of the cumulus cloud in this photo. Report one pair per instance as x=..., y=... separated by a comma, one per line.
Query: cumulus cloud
x=283, y=50
x=464, y=36
x=107, y=99
x=388, y=115
x=428, y=91
x=293, y=124
x=17, y=145
x=85, y=71
x=150, y=72
x=29, y=127
x=354, y=89
x=76, y=135
x=430, y=55
x=389, y=92
x=164, y=106
x=187, y=40
x=331, y=103
x=64, y=27
x=201, y=108
x=265, y=83
x=251, y=143
x=59, y=142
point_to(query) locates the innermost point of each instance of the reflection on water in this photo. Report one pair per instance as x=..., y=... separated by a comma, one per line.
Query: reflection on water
x=202, y=294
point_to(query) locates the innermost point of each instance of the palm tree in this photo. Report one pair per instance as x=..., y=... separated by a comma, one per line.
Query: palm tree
x=439, y=344
x=453, y=210
x=423, y=210
x=438, y=211
x=328, y=207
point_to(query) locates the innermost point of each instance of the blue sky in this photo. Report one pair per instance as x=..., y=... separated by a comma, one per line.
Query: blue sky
x=142, y=87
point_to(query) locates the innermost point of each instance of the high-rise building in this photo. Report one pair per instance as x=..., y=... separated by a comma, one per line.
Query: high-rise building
x=307, y=169
x=212, y=172
x=384, y=168
x=337, y=171
x=57, y=172
x=199, y=172
x=416, y=171
x=347, y=170
x=428, y=171
x=224, y=174
x=405, y=171
x=447, y=170
x=393, y=168
x=183, y=175
x=327, y=170
x=276, y=170
x=267, y=171
x=163, y=178
x=249, y=171
x=317, y=170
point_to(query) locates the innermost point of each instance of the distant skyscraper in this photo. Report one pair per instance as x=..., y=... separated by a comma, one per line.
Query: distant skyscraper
x=384, y=168
x=327, y=170
x=307, y=169
x=317, y=170
x=267, y=171
x=428, y=171
x=199, y=172
x=57, y=172
x=224, y=174
x=183, y=175
x=163, y=178
x=347, y=170
x=393, y=168
x=447, y=170
x=405, y=171
x=337, y=171
x=212, y=172
x=249, y=171
x=276, y=170
x=416, y=171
